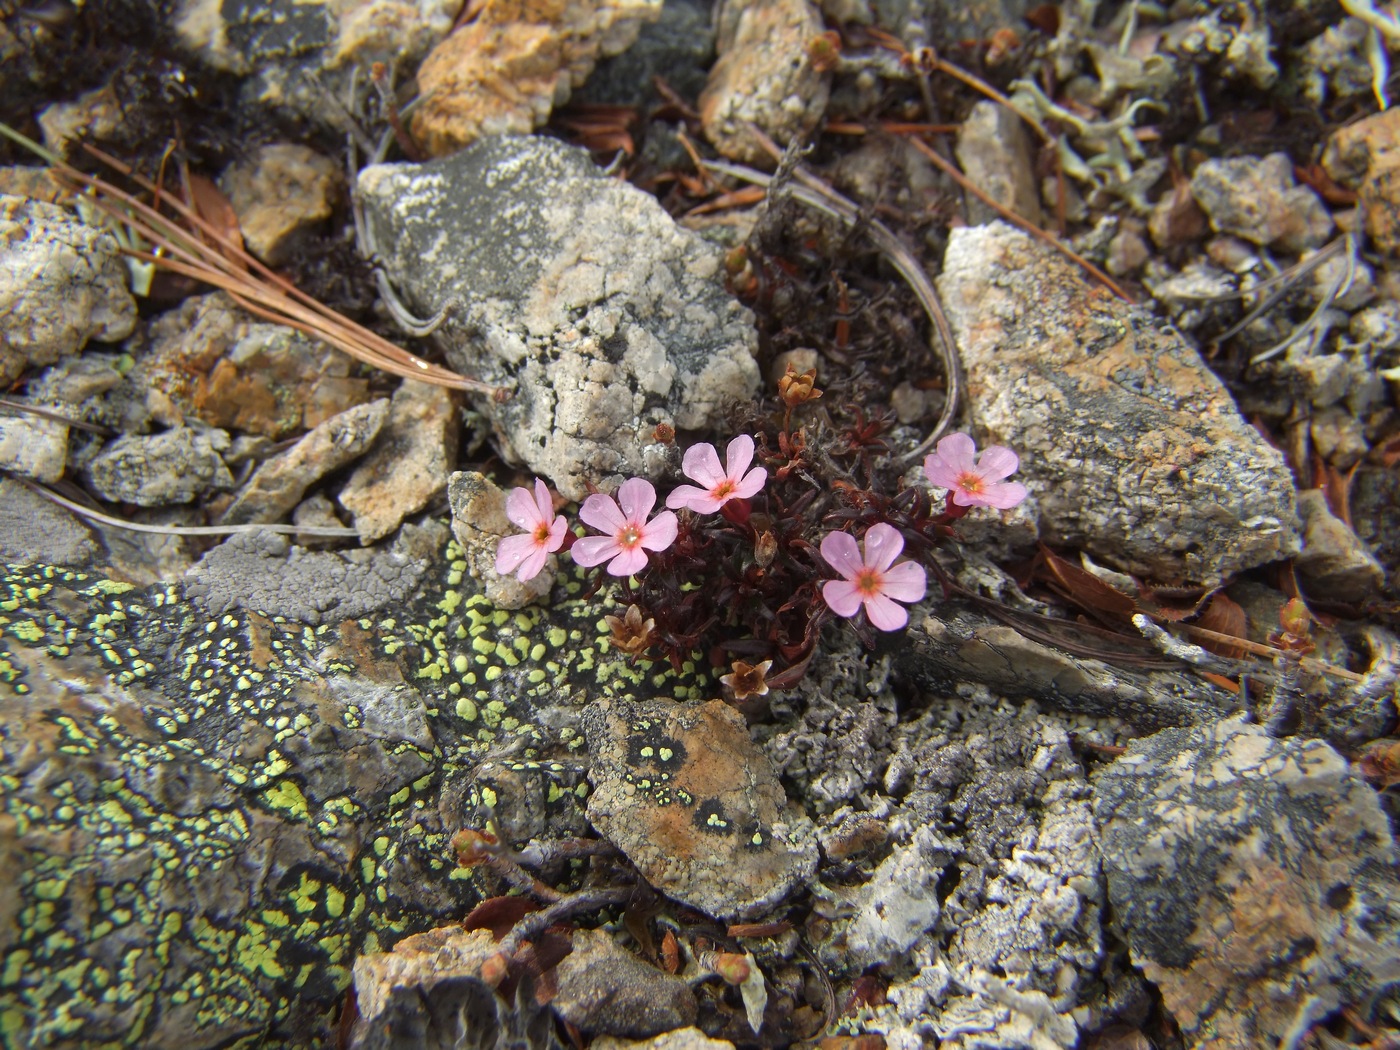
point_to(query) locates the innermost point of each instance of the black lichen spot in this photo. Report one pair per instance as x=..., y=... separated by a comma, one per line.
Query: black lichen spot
x=710, y=817
x=664, y=753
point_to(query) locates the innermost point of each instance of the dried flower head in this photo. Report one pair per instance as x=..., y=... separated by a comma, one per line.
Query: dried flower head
x=795, y=388
x=747, y=679
x=630, y=633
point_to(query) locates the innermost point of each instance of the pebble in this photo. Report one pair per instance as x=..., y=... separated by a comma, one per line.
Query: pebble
x=409, y=463
x=684, y=793
x=154, y=470
x=605, y=988
x=1253, y=879
x=995, y=153
x=280, y=483
x=281, y=192
x=1334, y=564
x=1365, y=156
x=764, y=76
x=62, y=283
x=96, y=114
x=504, y=71
x=578, y=291
x=1132, y=447
x=1259, y=199
x=33, y=446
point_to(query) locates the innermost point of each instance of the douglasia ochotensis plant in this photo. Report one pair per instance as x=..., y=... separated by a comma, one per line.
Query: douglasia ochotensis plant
x=747, y=563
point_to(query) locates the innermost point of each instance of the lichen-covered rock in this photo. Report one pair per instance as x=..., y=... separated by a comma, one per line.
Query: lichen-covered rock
x=1254, y=880
x=62, y=282
x=155, y=470
x=764, y=76
x=577, y=290
x=1259, y=200
x=605, y=988
x=695, y=805
x=503, y=71
x=1133, y=449
x=409, y=463
x=279, y=484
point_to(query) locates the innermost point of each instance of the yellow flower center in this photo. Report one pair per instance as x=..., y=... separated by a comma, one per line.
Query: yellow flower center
x=629, y=536
x=723, y=489
x=541, y=533
x=970, y=482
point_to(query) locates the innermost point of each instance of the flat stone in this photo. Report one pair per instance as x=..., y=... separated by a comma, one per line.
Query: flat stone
x=280, y=192
x=605, y=988
x=578, y=291
x=409, y=463
x=764, y=76
x=503, y=71
x=1253, y=878
x=1131, y=446
x=152, y=470
x=62, y=282
x=684, y=793
x=680, y=1039
x=280, y=483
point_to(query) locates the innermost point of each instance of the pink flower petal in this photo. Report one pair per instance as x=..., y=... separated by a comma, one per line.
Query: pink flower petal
x=594, y=550
x=841, y=553
x=841, y=595
x=958, y=452
x=693, y=498
x=522, y=510
x=940, y=475
x=738, y=456
x=512, y=551
x=557, y=532
x=531, y=566
x=905, y=582
x=997, y=462
x=660, y=532
x=628, y=562
x=701, y=465
x=883, y=544
x=601, y=512
x=1004, y=494
x=542, y=500
x=752, y=483
x=885, y=614
x=636, y=497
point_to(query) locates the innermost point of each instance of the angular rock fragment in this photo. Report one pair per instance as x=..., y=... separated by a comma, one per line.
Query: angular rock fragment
x=33, y=446
x=409, y=463
x=503, y=71
x=605, y=988
x=764, y=76
x=1259, y=200
x=62, y=282
x=681, y=790
x=1253, y=878
x=1133, y=449
x=995, y=153
x=280, y=193
x=152, y=470
x=577, y=290
x=279, y=484
x=1334, y=564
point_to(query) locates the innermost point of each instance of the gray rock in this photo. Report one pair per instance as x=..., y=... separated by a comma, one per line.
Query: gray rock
x=679, y=46
x=578, y=290
x=995, y=153
x=1253, y=878
x=899, y=903
x=1132, y=447
x=33, y=446
x=764, y=76
x=153, y=470
x=1259, y=200
x=1334, y=564
x=409, y=463
x=35, y=530
x=684, y=793
x=62, y=283
x=262, y=572
x=605, y=988
x=280, y=483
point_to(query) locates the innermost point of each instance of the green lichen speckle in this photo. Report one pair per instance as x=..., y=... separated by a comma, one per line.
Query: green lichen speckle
x=233, y=806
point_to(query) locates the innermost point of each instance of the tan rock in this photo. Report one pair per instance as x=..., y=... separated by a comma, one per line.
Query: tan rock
x=764, y=76
x=505, y=71
x=280, y=192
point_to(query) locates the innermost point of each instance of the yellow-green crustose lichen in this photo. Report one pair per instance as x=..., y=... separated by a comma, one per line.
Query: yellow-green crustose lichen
x=206, y=817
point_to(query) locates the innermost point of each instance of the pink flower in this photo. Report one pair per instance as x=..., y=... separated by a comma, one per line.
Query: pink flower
x=975, y=481
x=627, y=535
x=544, y=532
x=873, y=580
x=717, y=487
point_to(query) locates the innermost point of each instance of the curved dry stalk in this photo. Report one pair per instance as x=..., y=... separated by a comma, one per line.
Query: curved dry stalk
x=811, y=191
